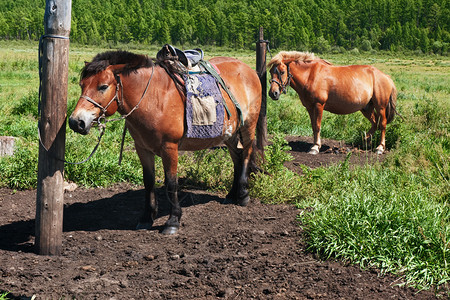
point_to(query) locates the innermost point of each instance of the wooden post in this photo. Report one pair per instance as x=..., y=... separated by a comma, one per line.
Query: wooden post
x=261, y=47
x=54, y=55
x=6, y=145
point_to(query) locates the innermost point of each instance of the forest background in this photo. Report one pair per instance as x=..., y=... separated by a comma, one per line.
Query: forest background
x=316, y=25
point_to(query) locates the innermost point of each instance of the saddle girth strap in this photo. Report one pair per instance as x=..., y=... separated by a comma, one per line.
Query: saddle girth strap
x=211, y=70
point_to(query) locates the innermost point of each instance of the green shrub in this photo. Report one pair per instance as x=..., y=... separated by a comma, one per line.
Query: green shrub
x=20, y=170
x=28, y=105
x=366, y=45
x=207, y=169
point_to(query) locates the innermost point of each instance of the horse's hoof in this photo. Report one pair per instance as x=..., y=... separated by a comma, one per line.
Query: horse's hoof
x=144, y=226
x=243, y=202
x=313, y=151
x=228, y=200
x=170, y=230
x=379, y=151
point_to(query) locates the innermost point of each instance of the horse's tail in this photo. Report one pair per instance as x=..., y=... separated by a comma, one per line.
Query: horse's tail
x=257, y=156
x=390, y=109
x=256, y=159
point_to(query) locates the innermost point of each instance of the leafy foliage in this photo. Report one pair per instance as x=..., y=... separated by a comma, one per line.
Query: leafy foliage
x=300, y=24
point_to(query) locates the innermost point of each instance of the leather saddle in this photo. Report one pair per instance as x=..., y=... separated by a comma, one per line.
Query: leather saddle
x=188, y=58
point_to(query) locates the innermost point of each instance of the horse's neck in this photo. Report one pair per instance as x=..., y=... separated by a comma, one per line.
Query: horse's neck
x=161, y=88
x=300, y=74
x=134, y=87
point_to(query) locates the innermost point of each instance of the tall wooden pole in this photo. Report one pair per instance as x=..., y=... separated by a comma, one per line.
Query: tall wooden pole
x=54, y=48
x=261, y=48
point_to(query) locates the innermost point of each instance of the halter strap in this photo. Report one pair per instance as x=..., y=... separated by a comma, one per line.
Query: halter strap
x=102, y=125
x=282, y=85
x=116, y=98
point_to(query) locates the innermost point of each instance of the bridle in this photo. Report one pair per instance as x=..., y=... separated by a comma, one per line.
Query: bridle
x=101, y=120
x=283, y=86
x=102, y=117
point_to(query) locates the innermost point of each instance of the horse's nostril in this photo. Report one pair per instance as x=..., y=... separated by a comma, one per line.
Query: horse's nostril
x=73, y=124
x=274, y=94
x=81, y=124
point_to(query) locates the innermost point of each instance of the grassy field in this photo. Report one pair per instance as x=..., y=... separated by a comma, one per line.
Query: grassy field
x=393, y=216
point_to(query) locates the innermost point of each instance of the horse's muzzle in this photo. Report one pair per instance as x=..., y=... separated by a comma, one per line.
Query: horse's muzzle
x=78, y=126
x=81, y=123
x=275, y=95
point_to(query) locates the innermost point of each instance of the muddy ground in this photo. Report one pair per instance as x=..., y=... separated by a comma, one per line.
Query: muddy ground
x=221, y=251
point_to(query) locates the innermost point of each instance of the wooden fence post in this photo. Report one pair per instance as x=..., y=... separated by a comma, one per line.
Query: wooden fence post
x=261, y=47
x=54, y=56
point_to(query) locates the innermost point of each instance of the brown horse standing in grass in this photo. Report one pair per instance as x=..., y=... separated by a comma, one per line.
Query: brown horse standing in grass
x=146, y=95
x=337, y=89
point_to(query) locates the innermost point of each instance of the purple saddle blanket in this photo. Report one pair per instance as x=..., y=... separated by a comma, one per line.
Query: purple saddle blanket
x=204, y=106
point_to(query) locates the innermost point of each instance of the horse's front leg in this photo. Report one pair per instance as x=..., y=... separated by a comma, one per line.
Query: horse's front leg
x=169, y=157
x=151, y=205
x=315, y=114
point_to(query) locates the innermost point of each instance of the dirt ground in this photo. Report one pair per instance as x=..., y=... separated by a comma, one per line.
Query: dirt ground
x=221, y=251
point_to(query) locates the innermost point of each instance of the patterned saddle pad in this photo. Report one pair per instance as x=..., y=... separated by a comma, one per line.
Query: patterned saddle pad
x=204, y=106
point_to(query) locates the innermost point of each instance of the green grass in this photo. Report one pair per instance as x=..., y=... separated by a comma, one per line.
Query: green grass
x=4, y=296
x=382, y=218
x=393, y=216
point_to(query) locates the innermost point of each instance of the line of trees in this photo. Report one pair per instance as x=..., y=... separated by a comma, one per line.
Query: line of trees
x=318, y=25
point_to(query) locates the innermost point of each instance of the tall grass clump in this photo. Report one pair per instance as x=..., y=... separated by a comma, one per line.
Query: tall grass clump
x=102, y=169
x=423, y=143
x=385, y=219
x=276, y=184
x=207, y=169
x=20, y=170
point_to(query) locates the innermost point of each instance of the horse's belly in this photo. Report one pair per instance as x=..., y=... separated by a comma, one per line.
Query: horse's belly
x=194, y=144
x=346, y=106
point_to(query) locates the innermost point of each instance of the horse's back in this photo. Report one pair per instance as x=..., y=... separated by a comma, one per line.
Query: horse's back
x=233, y=69
x=243, y=83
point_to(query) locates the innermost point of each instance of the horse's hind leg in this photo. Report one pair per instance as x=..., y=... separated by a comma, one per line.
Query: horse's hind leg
x=371, y=115
x=382, y=126
x=151, y=205
x=378, y=121
x=241, y=158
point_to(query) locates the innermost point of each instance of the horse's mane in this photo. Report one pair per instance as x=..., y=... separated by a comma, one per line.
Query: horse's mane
x=290, y=56
x=102, y=60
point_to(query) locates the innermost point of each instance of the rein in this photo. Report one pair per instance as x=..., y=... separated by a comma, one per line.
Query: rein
x=283, y=86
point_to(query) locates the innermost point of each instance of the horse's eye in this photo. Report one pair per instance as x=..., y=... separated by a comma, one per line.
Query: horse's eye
x=103, y=87
x=282, y=72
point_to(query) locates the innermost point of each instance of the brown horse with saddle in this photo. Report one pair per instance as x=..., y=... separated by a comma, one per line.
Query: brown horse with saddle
x=337, y=89
x=149, y=94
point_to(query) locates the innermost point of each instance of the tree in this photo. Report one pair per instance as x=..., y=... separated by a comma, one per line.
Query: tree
x=386, y=24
